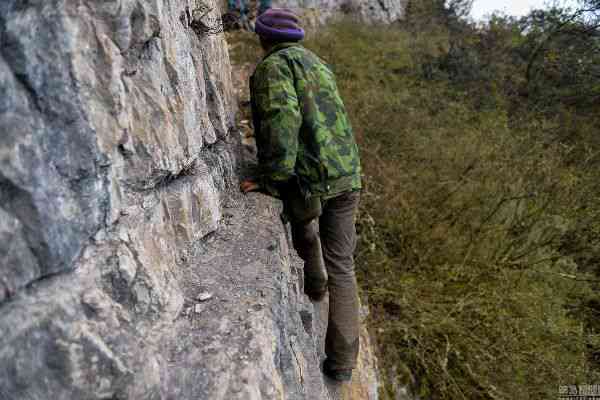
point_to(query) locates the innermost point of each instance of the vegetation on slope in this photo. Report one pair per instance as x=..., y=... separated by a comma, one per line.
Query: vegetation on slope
x=480, y=221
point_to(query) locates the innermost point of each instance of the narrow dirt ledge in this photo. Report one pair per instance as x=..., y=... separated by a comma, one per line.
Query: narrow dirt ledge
x=241, y=335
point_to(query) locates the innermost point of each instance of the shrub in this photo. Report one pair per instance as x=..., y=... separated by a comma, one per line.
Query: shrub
x=464, y=223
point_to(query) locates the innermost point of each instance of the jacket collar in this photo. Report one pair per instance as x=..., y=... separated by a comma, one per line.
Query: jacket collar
x=280, y=46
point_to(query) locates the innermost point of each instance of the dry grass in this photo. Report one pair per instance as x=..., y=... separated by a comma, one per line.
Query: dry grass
x=462, y=225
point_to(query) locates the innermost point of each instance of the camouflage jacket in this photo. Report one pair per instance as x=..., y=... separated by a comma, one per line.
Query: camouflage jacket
x=301, y=127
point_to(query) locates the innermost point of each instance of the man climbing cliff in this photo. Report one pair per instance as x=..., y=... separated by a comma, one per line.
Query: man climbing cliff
x=308, y=157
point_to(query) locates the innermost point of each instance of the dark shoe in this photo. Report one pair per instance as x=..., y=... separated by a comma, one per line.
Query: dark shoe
x=338, y=375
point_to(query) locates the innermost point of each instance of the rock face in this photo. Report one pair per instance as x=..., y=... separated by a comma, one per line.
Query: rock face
x=130, y=266
x=101, y=103
x=319, y=11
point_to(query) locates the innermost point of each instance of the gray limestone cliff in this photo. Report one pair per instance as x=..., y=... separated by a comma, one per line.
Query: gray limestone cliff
x=371, y=11
x=130, y=265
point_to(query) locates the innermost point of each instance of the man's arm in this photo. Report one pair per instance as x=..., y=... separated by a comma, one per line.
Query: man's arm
x=276, y=104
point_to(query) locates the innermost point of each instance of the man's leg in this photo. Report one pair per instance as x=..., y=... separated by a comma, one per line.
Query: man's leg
x=306, y=240
x=338, y=238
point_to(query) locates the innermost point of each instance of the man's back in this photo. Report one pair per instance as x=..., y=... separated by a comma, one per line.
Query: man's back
x=300, y=121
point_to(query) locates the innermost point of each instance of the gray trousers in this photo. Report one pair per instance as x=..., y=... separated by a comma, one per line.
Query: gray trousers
x=331, y=240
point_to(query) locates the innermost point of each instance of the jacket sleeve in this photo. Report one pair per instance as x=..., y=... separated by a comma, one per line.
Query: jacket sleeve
x=276, y=112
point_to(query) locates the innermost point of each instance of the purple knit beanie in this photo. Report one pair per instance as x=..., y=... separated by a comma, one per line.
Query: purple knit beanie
x=279, y=25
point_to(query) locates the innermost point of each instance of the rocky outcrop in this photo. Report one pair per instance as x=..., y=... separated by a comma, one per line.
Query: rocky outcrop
x=319, y=11
x=130, y=266
x=102, y=102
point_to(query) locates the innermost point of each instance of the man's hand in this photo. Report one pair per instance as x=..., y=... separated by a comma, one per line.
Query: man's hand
x=249, y=186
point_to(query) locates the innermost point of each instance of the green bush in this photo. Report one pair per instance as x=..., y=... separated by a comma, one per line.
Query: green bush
x=466, y=221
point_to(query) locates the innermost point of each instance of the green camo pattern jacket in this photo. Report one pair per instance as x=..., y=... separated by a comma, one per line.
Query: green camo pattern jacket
x=301, y=126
